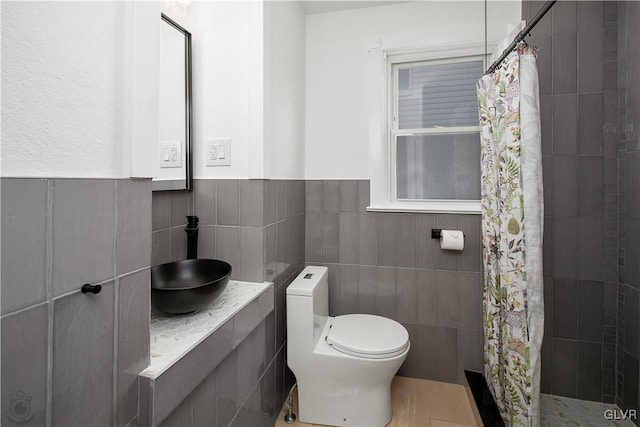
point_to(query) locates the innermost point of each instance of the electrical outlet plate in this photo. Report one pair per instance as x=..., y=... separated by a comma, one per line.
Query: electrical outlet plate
x=218, y=152
x=171, y=154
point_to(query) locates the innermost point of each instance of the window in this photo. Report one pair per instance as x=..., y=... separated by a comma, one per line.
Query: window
x=432, y=157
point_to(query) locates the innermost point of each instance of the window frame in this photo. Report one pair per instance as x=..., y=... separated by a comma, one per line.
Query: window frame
x=383, y=179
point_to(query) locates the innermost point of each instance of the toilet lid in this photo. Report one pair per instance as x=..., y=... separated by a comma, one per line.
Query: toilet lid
x=369, y=336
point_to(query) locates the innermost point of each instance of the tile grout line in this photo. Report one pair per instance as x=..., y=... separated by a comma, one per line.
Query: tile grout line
x=618, y=383
x=24, y=309
x=116, y=298
x=255, y=386
x=49, y=284
x=132, y=272
x=215, y=220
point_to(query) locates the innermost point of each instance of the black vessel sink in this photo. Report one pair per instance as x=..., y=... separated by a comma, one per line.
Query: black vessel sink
x=185, y=286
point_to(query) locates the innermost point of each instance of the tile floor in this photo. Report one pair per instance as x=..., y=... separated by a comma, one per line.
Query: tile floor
x=424, y=403
x=419, y=403
x=557, y=411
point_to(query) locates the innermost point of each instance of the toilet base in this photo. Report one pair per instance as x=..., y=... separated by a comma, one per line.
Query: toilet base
x=349, y=407
x=337, y=389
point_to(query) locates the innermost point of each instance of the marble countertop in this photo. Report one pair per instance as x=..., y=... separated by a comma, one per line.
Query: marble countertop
x=174, y=336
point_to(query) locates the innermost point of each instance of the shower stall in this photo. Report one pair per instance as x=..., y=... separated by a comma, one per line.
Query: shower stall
x=589, y=86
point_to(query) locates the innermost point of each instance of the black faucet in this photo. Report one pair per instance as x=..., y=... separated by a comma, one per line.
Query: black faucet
x=192, y=236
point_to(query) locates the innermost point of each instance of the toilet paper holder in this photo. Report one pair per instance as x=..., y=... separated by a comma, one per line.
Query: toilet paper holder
x=436, y=233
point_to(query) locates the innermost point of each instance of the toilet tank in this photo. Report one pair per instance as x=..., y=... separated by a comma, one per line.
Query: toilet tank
x=307, y=309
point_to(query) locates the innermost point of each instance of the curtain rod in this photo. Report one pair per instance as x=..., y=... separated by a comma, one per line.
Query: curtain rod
x=521, y=35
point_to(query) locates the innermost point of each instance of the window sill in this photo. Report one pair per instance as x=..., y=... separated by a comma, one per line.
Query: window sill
x=448, y=207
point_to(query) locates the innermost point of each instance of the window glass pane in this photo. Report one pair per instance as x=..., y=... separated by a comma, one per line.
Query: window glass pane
x=439, y=95
x=404, y=81
x=445, y=166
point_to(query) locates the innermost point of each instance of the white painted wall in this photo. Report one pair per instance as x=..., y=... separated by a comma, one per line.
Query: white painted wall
x=338, y=68
x=67, y=88
x=79, y=83
x=248, y=82
x=221, y=77
x=80, y=87
x=286, y=62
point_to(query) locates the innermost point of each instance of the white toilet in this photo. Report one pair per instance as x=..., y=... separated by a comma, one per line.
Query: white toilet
x=343, y=365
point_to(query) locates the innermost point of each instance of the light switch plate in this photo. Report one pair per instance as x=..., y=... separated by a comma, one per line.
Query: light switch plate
x=171, y=154
x=218, y=152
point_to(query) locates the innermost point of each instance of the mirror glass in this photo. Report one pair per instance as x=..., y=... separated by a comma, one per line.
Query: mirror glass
x=174, y=171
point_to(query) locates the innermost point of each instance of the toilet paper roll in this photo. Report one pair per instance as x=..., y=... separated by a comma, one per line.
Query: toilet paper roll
x=452, y=240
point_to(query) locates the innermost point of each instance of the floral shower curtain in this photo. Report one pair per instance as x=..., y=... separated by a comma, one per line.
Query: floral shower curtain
x=512, y=224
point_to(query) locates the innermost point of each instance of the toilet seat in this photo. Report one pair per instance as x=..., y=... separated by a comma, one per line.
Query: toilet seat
x=368, y=336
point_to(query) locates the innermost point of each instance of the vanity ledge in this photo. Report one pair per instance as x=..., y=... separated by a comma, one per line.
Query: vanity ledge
x=172, y=337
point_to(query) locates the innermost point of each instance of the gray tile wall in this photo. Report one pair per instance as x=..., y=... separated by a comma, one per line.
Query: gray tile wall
x=242, y=222
x=387, y=264
x=247, y=388
x=258, y=226
x=75, y=356
x=169, y=218
x=162, y=395
x=629, y=205
x=577, y=65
